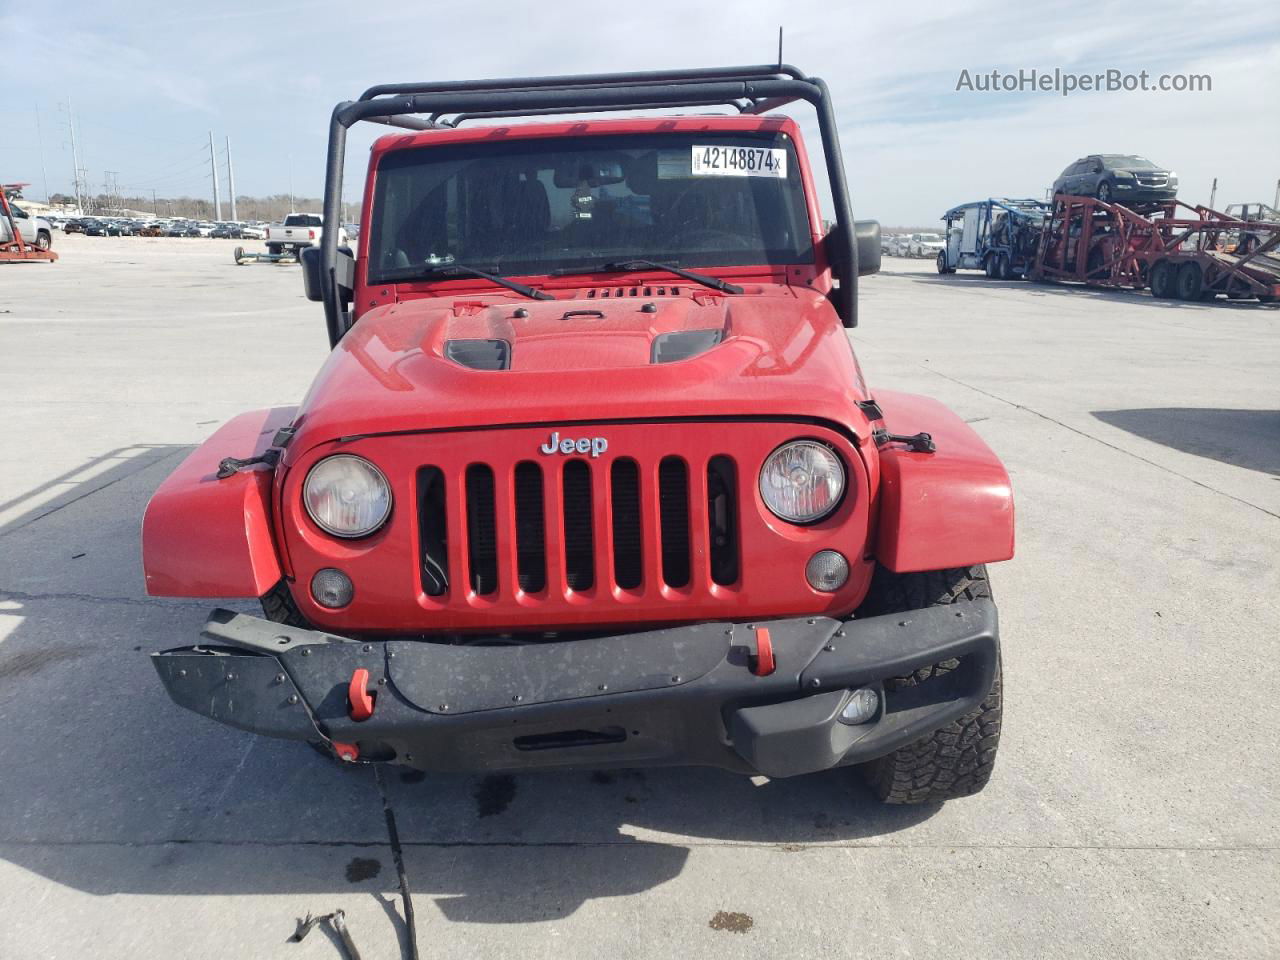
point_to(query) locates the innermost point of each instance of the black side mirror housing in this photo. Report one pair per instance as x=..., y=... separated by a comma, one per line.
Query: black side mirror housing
x=310, y=260
x=867, y=235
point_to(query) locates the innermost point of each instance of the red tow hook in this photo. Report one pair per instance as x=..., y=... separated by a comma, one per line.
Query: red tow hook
x=762, y=662
x=346, y=751
x=359, y=697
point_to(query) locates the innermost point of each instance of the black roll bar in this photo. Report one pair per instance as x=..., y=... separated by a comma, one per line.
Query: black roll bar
x=753, y=89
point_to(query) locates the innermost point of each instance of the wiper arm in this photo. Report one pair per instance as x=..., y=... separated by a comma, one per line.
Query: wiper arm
x=715, y=283
x=445, y=269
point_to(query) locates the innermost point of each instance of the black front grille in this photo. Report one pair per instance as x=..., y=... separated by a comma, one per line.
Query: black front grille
x=432, y=513
x=673, y=512
x=579, y=548
x=557, y=499
x=628, y=549
x=531, y=548
x=722, y=519
x=482, y=543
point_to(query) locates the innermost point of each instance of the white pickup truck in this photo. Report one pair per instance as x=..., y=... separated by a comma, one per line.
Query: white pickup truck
x=298, y=230
x=34, y=230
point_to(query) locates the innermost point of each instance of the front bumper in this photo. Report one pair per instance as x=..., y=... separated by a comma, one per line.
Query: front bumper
x=684, y=695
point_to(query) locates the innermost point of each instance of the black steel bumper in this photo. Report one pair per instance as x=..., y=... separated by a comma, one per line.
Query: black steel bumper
x=685, y=695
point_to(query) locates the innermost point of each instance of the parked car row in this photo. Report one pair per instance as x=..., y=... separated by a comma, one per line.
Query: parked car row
x=924, y=245
x=137, y=227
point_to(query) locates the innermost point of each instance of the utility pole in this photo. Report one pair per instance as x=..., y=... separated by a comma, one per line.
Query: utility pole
x=155, y=207
x=1275, y=204
x=40, y=142
x=231, y=181
x=75, y=156
x=291, y=210
x=213, y=168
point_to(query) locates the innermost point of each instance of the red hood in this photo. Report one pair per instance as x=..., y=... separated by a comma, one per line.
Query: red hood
x=783, y=353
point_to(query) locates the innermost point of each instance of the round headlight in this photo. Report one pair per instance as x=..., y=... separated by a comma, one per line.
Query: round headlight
x=347, y=496
x=802, y=481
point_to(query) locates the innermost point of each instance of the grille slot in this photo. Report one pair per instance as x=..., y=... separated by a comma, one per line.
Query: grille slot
x=673, y=512
x=579, y=546
x=432, y=531
x=722, y=516
x=627, y=549
x=482, y=545
x=531, y=548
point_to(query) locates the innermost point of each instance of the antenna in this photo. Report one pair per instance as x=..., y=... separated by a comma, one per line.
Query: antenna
x=779, y=46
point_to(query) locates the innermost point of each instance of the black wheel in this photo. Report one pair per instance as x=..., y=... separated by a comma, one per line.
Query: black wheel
x=1104, y=192
x=238, y=253
x=989, y=266
x=278, y=606
x=1003, y=270
x=1189, y=282
x=273, y=249
x=1162, y=279
x=957, y=760
x=942, y=263
x=43, y=241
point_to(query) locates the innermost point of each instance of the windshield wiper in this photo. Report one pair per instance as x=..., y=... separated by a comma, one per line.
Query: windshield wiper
x=628, y=266
x=446, y=269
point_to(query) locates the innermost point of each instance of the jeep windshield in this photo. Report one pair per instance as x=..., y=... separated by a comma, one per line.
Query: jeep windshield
x=542, y=206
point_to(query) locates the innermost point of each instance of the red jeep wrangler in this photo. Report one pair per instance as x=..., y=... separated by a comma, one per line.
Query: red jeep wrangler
x=592, y=477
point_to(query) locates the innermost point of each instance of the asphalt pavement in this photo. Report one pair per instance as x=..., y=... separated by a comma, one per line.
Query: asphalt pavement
x=1135, y=806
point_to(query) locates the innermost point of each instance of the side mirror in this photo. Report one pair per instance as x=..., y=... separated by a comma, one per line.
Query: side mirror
x=345, y=274
x=867, y=235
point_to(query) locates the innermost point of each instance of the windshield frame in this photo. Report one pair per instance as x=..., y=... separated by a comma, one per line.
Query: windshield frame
x=613, y=134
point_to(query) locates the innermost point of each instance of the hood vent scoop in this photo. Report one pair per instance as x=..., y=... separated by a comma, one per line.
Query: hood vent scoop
x=645, y=290
x=480, y=354
x=683, y=344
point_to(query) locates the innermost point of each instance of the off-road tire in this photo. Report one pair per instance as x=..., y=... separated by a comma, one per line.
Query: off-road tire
x=957, y=760
x=278, y=606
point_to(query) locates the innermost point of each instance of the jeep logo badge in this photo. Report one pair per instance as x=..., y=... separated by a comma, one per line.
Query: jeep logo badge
x=592, y=445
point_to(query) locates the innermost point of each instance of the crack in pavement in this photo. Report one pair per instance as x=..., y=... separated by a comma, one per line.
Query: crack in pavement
x=624, y=841
x=1079, y=432
x=18, y=595
x=147, y=464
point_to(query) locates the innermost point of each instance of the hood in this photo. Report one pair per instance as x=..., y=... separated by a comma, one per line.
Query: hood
x=598, y=354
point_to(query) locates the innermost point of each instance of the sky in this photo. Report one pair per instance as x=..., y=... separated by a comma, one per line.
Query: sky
x=147, y=82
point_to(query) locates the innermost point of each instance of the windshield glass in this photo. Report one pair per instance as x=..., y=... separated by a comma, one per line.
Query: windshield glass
x=302, y=220
x=535, y=206
x=1116, y=161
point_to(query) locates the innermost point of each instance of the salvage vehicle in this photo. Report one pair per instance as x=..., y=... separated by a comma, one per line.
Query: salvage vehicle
x=925, y=245
x=592, y=476
x=998, y=236
x=1122, y=178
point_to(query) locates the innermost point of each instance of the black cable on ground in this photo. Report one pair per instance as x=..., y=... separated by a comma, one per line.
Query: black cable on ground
x=398, y=854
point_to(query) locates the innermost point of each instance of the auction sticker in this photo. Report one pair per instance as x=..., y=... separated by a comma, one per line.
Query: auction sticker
x=739, y=162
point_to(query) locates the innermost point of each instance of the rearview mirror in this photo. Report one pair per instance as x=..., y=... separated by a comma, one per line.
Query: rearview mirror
x=344, y=274
x=867, y=235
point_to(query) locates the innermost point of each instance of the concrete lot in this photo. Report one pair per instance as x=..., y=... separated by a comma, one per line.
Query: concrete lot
x=1135, y=808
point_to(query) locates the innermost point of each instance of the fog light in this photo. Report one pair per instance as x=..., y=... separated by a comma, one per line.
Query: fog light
x=827, y=570
x=862, y=707
x=332, y=588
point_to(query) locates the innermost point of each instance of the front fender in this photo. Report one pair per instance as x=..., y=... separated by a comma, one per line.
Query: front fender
x=205, y=537
x=949, y=508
